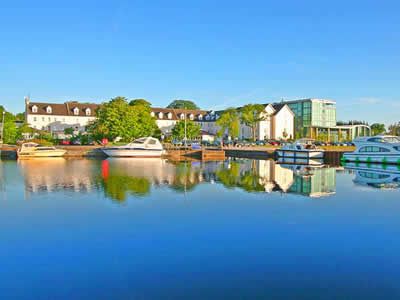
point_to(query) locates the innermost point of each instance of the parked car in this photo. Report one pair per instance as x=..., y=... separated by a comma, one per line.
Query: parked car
x=274, y=142
x=65, y=142
x=76, y=142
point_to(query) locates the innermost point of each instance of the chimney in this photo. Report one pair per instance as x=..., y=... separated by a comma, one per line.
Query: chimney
x=27, y=100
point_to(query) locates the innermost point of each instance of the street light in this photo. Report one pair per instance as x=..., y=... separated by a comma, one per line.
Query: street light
x=2, y=128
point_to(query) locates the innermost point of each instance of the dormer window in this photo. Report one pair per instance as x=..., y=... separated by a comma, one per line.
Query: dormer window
x=34, y=109
x=76, y=111
x=200, y=117
x=88, y=111
x=160, y=115
x=169, y=115
x=49, y=110
x=191, y=117
x=182, y=116
x=152, y=114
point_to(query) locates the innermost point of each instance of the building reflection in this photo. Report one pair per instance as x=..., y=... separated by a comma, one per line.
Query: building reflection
x=54, y=174
x=119, y=177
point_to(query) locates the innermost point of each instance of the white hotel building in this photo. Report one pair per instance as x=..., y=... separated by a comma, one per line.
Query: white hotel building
x=52, y=117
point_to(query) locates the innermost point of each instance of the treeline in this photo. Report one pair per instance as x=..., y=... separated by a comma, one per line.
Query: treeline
x=11, y=133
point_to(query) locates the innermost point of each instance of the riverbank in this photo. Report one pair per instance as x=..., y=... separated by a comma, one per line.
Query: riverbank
x=257, y=152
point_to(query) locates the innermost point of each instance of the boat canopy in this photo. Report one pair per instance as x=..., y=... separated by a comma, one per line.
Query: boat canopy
x=378, y=139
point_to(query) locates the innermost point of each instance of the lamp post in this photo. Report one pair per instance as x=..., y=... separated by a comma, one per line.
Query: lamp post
x=2, y=128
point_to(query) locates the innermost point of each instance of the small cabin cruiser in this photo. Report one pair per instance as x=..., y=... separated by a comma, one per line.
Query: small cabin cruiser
x=35, y=150
x=301, y=149
x=143, y=147
x=377, y=149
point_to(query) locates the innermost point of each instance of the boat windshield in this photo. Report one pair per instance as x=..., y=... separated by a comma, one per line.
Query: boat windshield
x=139, y=141
x=391, y=139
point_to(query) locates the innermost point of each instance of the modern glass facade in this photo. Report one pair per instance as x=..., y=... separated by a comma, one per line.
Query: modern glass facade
x=312, y=113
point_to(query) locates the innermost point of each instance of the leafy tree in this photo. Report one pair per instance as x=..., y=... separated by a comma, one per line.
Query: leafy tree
x=69, y=131
x=394, y=129
x=20, y=116
x=117, y=118
x=192, y=130
x=10, y=132
x=229, y=121
x=377, y=128
x=183, y=104
x=251, y=115
x=140, y=102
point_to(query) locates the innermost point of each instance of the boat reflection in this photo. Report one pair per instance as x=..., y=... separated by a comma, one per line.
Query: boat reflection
x=57, y=173
x=376, y=175
x=118, y=177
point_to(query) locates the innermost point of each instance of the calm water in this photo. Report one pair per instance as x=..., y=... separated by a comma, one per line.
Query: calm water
x=150, y=229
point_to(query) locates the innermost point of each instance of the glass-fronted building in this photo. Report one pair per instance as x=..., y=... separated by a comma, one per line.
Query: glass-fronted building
x=316, y=118
x=311, y=114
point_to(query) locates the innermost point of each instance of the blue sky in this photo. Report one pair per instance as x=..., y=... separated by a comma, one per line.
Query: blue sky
x=218, y=53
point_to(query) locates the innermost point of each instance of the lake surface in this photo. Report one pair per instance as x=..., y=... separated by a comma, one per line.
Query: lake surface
x=239, y=229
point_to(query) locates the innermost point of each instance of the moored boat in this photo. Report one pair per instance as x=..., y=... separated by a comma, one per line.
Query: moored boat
x=301, y=149
x=29, y=150
x=142, y=147
x=377, y=149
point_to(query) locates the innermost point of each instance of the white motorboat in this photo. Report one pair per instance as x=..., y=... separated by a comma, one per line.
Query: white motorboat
x=301, y=149
x=143, y=147
x=377, y=149
x=29, y=150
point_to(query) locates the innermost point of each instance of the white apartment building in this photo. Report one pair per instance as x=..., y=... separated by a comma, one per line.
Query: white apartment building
x=53, y=117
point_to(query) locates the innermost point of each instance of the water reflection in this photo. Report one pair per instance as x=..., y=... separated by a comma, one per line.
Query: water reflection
x=49, y=175
x=119, y=178
x=376, y=175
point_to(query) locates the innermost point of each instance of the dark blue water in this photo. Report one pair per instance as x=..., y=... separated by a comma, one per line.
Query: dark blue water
x=131, y=229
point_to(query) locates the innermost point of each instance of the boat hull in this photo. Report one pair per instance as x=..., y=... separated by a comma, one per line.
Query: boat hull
x=132, y=153
x=372, y=158
x=52, y=153
x=302, y=154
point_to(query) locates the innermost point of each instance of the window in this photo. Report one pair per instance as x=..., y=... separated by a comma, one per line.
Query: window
x=182, y=116
x=397, y=148
x=34, y=119
x=200, y=117
x=373, y=175
x=43, y=119
x=169, y=116
x=160, y=115
x=376, y=140
x=48, y=109
x=88, y=111
x=34, y=109
x=152, y=142
x=49, y=119
x=191, y=116
x=374, y=149
x=76, y=111
x=152, y=114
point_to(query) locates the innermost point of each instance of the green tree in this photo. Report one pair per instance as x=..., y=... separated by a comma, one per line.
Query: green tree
x=183, y=104
x=69, y=131
x=117, y=118
x=378, y=128
x=229, y=121
x=10, y=132
x=140, y=102
x=192, y=130
x=251, y=115
x=20, y=116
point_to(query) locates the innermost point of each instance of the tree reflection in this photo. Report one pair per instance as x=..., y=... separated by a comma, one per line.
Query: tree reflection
x=231, y=176
x=118, y=186
x=186, y=177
